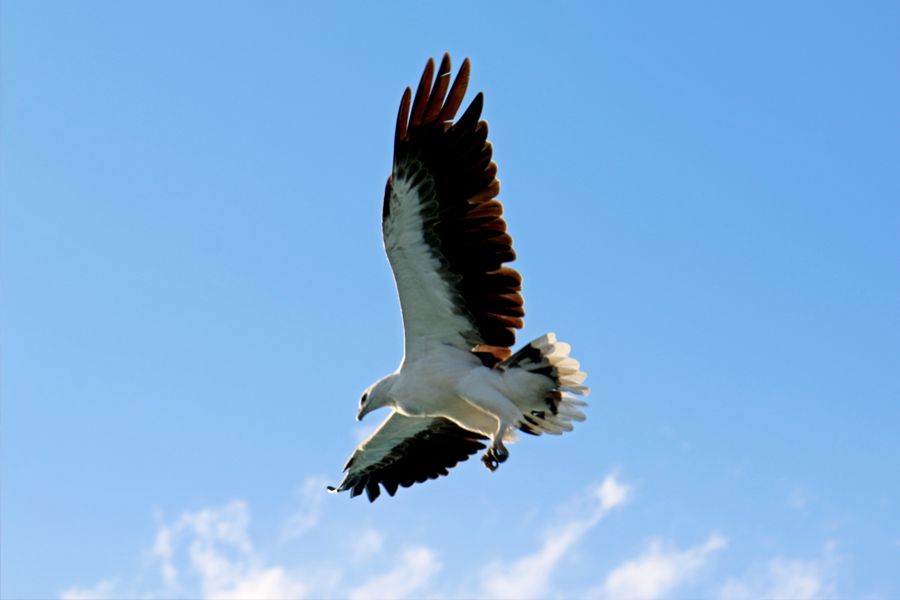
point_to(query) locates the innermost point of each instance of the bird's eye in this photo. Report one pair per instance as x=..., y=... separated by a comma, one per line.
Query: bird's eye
x=363, y=399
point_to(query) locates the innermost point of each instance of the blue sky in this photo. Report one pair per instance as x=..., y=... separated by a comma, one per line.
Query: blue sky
x=704, y=201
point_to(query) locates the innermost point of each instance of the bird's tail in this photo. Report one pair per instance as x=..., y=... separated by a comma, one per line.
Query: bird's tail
x=547, y=385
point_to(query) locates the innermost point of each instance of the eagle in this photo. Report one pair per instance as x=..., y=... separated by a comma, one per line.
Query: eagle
x=459, y=388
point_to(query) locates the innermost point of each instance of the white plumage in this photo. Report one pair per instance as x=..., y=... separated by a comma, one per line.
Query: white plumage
x=459, y=386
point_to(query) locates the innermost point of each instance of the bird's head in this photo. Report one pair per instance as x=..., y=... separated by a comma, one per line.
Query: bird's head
x=375, y=396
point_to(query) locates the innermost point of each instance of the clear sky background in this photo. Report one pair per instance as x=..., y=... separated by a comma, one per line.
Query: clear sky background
x=705, y=202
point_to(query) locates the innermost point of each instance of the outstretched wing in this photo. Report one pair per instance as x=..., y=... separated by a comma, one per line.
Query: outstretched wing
x=407, y=450
x=442, y=225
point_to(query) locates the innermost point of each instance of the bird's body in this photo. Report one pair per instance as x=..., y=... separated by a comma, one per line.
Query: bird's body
x=452, y=383
x=459, y=383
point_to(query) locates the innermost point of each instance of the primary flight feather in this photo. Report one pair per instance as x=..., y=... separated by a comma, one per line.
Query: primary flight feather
x=459, y=388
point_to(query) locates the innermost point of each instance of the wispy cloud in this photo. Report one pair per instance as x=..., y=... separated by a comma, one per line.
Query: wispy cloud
x=209, y=553
x=367, y=543
x=308, y=514
x=529, y=576
x=103, y=590
x=413, y=572
x=659, y=570
x=221, y=555
x=788, y=578
x=164, y=552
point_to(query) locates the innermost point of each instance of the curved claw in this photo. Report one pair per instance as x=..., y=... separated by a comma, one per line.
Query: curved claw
x=494, y=456
x=500, y=453
x=489, y=461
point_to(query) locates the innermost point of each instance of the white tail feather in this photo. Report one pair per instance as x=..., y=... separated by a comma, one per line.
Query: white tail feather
x=551, y=389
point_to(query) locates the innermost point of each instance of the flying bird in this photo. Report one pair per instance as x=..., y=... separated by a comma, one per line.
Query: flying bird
x=459, y=388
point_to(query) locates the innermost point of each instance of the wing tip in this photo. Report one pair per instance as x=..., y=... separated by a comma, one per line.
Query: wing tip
x=435, y=100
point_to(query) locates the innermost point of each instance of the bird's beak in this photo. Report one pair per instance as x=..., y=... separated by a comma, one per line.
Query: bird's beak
x=369, y=407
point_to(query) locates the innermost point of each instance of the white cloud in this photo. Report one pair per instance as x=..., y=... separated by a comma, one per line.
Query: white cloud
x=309, y=513
x=367, y=543
x=612, y=493
x=529, y=576
x=659, y=570
x=162, y=550
x=268, y=583
x=785, y=578
x=416, y=568
x=210, y=553
x=103, y=590
x=220, y=553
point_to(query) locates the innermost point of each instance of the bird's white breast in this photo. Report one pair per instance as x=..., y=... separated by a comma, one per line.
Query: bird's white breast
x=428, y=385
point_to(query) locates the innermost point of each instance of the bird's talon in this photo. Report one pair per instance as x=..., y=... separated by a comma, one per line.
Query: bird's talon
x=489, y=461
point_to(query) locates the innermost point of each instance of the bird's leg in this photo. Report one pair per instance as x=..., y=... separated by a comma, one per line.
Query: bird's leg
x=497, y=452
x=495, y=455
x=497, y=408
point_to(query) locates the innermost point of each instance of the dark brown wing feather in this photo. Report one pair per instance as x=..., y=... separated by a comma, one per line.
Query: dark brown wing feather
x=468, y=234
x=428, y=454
